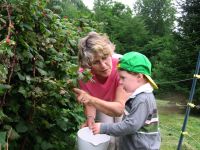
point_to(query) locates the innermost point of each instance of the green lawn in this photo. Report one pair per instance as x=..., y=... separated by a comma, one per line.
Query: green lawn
x=171, y=120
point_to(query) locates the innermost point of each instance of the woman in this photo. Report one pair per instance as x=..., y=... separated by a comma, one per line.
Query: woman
x=103, y=96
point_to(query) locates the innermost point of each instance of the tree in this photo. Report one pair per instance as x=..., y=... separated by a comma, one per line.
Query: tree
x=160, y=51
x=158, y=15
x=68, y=8
x=189, y=41
x=125, y=30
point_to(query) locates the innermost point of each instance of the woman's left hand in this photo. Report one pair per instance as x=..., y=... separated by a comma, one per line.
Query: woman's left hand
x=82, y=96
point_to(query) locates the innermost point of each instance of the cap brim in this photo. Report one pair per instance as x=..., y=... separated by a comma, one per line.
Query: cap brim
x=152, y=82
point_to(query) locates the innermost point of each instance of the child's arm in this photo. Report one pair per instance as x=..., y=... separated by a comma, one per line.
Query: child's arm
x=132, y=123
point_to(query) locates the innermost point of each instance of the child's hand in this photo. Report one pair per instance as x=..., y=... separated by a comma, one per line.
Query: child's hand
x=96, y=128
x=82, y=96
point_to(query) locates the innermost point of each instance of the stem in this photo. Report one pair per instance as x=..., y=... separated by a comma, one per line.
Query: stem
x=9, y=19
x=33, y=66
x=23, y=143
x=13, y=63
x=13, y=60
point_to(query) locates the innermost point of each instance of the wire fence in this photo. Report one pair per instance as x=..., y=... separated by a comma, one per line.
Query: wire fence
x=190, y=138
x=171, y=82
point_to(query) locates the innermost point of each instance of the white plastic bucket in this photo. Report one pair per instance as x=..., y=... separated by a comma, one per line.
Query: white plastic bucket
x=88, y=141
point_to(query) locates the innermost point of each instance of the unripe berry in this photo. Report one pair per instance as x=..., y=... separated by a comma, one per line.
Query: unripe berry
x=8, y=40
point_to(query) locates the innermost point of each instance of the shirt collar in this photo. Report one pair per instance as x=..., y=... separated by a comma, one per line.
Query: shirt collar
x=146, y=88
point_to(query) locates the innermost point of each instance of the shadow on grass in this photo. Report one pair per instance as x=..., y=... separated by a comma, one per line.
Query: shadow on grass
x=165, y=106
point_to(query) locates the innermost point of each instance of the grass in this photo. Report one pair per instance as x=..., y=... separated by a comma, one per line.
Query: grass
x=171, y=120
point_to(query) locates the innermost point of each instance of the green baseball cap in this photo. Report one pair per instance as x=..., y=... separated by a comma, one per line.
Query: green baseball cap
x=138, y=63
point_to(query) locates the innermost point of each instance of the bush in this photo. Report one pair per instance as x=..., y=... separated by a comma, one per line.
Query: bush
x=37, y=72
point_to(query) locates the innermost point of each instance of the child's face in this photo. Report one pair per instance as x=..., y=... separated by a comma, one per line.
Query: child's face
x=102, y=66
x=130, y=82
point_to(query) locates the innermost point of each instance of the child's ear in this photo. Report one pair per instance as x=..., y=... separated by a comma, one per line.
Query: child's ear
x=140, y=76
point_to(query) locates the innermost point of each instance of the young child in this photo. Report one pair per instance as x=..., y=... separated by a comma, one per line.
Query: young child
x=139, y=128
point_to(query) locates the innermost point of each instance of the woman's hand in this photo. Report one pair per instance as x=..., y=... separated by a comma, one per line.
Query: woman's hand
x=89, y=122
x=82, y=96
x=90, y=112
x=96, y=128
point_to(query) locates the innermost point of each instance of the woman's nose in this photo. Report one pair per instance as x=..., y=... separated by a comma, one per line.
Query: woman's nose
x=103, y=63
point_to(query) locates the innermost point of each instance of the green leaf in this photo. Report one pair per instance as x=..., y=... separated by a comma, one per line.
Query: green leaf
x=73, y=69
x=2, y=20
x=4, y=86
x=23, y=91
x=62, y=123
x=21, y=77
x=45, y=145
x=2, y=138
x=28, y=79
x=52, y=40
x=3, y=72
x=42, y=72
x=2, y=115
x=27, y=26
x=21, y=127
x=10, y=53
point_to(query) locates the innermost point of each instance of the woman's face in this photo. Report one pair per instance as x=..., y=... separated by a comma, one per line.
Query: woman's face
x=102, y=66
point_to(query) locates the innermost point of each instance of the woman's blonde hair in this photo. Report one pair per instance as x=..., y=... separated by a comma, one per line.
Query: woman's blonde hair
x=93, y=44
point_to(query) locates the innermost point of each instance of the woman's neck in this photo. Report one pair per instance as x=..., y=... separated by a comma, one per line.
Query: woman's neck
x=101, y=79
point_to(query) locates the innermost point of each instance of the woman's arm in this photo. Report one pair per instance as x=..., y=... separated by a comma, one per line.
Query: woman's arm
x=114, y=108
x=90, y=113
